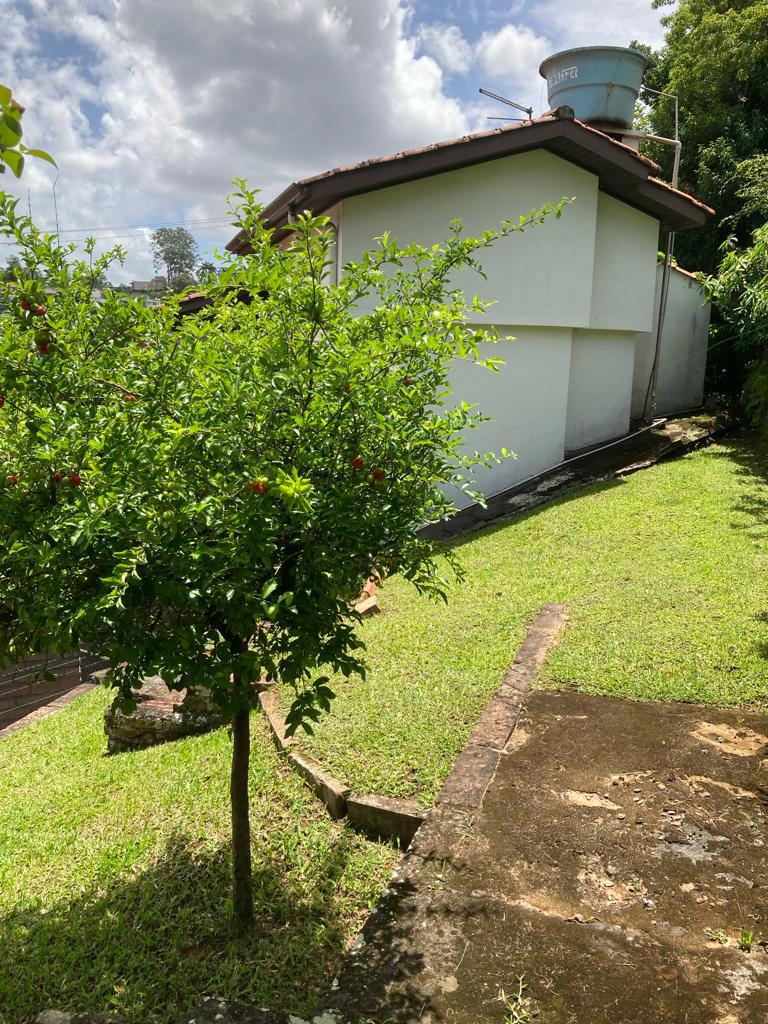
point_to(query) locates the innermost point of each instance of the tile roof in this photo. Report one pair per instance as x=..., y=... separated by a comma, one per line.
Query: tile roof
x=622, y=171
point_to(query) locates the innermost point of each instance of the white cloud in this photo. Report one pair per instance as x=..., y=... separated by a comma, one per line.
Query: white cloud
x=152, y=108
x=598, y=22
x=448, y=47
x=191, y=94
x=513, y=54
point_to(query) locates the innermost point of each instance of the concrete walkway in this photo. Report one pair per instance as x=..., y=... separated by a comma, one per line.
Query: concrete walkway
x=618, y=856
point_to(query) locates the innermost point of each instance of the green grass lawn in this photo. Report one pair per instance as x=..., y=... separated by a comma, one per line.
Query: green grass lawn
x=114, y=872
x=665, y=576
x=114, y=876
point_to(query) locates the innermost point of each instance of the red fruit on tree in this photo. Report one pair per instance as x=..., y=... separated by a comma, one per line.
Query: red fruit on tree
x=42, y=348
x=57, y=478
x=258, y=486
x=130, y=398
x=407, y=382
x=378, y=474
x=2, y=401
x=24, y=304
x=75, y=479
x=358, y=462
x=13, y=479
x=40, y=310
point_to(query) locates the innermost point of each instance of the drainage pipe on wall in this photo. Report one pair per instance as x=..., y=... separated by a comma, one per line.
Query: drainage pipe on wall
x=649, y=406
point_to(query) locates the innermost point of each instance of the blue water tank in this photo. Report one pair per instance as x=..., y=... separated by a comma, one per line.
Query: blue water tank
x=600, y=83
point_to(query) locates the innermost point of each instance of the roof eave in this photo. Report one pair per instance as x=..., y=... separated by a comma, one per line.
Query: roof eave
x=621, y=172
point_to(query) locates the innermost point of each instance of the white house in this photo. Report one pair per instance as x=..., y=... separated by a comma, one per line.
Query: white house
x=577, y=293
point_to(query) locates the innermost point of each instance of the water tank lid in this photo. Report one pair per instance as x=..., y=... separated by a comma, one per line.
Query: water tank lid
x=590, y=49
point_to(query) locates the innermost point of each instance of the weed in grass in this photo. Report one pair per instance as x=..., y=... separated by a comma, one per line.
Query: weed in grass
x=519, y=1009
x=717, y=935
x=746, y=940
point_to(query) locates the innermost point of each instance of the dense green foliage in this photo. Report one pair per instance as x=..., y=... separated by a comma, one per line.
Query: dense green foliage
x=665, y=577
x=173, y=492
x=740, y=292
x=714, y=59
x=202, y=497
x=114, y=877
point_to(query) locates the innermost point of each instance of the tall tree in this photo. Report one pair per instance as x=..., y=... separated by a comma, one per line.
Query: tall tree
x=714, y=59
x=175, y=251
x=202, y=498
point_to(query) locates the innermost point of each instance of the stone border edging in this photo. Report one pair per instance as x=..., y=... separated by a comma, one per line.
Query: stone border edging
x=476, y=764
x=392, y=817
x=380, y=817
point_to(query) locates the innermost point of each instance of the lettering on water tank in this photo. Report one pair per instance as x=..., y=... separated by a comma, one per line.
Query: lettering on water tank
x=563, y=75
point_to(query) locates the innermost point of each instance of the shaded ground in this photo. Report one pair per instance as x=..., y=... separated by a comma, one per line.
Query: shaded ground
x=115, y=876
x=618, y=858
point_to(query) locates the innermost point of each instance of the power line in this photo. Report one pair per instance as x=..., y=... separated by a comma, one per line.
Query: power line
x=134, y=234
x=135, y=227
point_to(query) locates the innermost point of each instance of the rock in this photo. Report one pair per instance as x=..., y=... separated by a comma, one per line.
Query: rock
x=368, y=606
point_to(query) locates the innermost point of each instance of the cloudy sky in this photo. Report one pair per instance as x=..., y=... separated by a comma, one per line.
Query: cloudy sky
x=151, y=107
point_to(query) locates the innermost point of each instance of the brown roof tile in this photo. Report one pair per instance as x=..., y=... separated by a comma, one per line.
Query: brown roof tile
x=622, y=171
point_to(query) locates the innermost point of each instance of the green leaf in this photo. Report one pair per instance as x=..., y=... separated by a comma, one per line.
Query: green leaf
x=41, y=155
x=5, y=95
x=14, y=160
x=10, y=130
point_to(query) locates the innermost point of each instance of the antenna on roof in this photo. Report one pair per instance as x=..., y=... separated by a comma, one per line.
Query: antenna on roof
x=510, y=103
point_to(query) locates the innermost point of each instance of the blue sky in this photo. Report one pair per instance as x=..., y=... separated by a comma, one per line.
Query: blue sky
x=152, y=108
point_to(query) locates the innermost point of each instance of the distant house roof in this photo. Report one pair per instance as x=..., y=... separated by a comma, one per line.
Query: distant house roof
x=622, y=172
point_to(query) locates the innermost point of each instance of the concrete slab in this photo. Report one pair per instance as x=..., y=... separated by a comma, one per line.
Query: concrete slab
x=618, y=856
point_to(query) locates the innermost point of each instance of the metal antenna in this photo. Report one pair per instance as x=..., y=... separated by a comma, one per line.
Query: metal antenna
x=510, y=103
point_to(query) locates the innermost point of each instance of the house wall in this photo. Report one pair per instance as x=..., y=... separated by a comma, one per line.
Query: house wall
x=575, y=291
x=527, y=399
x=542, y=277
x=624, y=276
x=683, y=356
x=600, y=387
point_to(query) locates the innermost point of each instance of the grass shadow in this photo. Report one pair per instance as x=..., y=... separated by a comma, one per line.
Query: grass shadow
x=751, y=458
x=150, y=945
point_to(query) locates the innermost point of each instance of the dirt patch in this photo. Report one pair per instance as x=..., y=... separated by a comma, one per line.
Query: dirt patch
x=741, y=742
x=590, y=800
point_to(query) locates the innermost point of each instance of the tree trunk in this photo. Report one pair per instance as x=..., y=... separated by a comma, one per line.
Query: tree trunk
x=242, y=890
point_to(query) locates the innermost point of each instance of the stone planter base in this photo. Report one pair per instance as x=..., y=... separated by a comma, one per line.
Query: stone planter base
x=161, y=715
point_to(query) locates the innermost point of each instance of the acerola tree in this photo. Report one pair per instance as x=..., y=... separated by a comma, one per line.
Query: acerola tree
x=201, y=499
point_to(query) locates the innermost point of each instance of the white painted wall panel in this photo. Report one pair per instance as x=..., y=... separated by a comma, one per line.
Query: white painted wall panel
x=683, y=360
x=600, y=387
x=624, y=281
x=528, y=398
x=541, y=278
